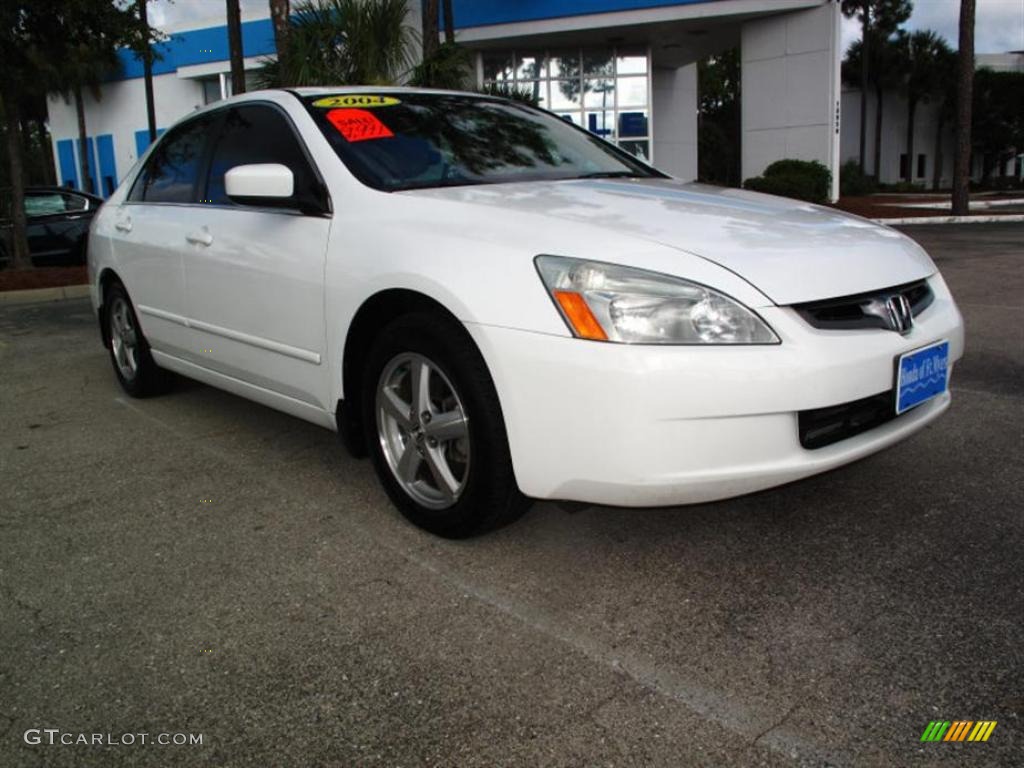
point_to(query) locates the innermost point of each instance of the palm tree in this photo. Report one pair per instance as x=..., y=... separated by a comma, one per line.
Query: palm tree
x=145, y=51
x=235, y=47
x=946, y=112
x=343, y=42
x=84, y=69
x=430, y=42
x=921, y=53
x=878, y=20
x=965, y=83
x=280, y=10
x=885, y=76
x=449, y=21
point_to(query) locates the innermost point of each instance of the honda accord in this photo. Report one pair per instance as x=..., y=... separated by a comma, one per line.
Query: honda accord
x=498, y=306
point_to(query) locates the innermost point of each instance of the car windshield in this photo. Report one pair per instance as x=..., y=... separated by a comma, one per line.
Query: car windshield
x=400, y=140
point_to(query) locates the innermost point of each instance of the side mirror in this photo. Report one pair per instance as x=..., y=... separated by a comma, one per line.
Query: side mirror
x=259, y=184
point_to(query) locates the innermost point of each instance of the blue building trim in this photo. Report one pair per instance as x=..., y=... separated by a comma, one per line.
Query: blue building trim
x=108, y=166
x=90, y=158
x=200, y=46
x=142, y=140
x=481, y=13
x=68, y=166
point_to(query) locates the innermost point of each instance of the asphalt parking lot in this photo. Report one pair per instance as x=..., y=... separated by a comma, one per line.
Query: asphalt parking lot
x=200, y=564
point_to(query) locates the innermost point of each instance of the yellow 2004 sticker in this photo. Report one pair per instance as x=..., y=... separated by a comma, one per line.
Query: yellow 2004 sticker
x=362, y=100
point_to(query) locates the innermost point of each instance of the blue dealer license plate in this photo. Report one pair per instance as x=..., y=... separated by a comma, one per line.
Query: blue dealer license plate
x=921, y=375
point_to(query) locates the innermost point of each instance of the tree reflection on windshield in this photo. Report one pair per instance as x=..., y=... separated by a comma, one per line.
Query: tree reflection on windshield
x=435, y=140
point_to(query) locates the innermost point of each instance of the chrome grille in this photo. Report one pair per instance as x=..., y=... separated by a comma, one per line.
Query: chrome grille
x=861, y=310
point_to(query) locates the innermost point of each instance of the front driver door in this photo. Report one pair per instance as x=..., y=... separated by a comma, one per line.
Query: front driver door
x=254, y=276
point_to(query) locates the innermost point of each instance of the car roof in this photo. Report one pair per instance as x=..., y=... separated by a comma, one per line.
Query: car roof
x=322, y=90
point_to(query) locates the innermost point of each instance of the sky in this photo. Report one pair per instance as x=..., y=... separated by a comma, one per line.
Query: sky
x=168, y=14
x=999, y=24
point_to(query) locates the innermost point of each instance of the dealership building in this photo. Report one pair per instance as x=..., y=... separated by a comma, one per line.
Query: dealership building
x=624, y=69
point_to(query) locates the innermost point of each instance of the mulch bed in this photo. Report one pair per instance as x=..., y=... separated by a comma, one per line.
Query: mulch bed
x=42, y=277
x=881, y=206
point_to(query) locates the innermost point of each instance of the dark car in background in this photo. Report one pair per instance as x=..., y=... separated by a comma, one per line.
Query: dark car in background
x=58, y=225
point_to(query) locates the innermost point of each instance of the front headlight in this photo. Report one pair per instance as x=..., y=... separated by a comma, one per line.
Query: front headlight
x=607, y=302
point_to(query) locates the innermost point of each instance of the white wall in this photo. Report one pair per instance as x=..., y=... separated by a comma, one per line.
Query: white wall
x=121, y=111
x=674, y=106
x=894, y=137
x=790, y=90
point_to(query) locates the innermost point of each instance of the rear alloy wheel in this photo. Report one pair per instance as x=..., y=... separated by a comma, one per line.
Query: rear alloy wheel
x=138, y=374
x=124, y=339
x=435, y=428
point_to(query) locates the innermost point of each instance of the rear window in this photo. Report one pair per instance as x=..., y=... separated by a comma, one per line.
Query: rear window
x=398, y=140
x=172, y=170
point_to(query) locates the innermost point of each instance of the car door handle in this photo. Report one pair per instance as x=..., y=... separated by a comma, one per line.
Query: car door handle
x=202, y=237
x=125, y=225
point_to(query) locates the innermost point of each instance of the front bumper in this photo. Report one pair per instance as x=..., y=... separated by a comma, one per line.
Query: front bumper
x=648, y=425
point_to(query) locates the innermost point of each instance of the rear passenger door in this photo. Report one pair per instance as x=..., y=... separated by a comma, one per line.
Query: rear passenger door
x=254, y=274
x=149, y=234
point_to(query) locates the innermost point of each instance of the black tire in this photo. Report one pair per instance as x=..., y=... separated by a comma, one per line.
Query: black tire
x=148, y=378
x=489, y=496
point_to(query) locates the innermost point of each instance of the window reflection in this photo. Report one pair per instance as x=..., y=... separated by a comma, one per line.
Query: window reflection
x=605, y=90
x=598, y=63
x=531, y=66
x=497, y=66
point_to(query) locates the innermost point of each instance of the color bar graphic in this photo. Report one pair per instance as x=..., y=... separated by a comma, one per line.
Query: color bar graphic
x=958, y=730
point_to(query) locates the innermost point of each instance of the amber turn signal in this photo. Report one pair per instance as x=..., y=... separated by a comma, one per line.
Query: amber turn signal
x=582, y=320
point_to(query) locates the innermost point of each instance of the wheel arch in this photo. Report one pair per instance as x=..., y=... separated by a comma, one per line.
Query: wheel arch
x=107, y=278
x=374, y=313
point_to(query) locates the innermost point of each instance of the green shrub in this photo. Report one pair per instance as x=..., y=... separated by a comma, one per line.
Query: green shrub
x=903, y=187
x=854, y=183
x=801, y=179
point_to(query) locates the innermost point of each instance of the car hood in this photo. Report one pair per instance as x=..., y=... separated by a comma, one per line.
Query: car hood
x=789, y=250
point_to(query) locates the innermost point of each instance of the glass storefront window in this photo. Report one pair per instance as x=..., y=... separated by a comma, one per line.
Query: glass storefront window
x=633, y=124
x=565, y=94
x=598, y=63
x=531, y=66
x=638, y=149
x=631, y=62
x=602, y=123
x=497, y=66
x=604, y=90
x=599, y=93
x=632, y=91
x=538, y=89
x=564, y=64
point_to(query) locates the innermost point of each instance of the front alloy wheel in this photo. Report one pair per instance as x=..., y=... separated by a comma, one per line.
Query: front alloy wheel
x=435, y=430
x=423, y=430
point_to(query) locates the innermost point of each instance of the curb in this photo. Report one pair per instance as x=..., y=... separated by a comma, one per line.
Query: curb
x=1007, y=218
x=34, y=295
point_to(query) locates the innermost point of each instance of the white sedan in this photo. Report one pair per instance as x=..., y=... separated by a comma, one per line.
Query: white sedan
x=499, y=306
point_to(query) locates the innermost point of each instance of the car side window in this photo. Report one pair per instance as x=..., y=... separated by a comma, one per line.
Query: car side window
x=75, y=203
x=172, y=170
x=44, y=204
x=255, y=133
